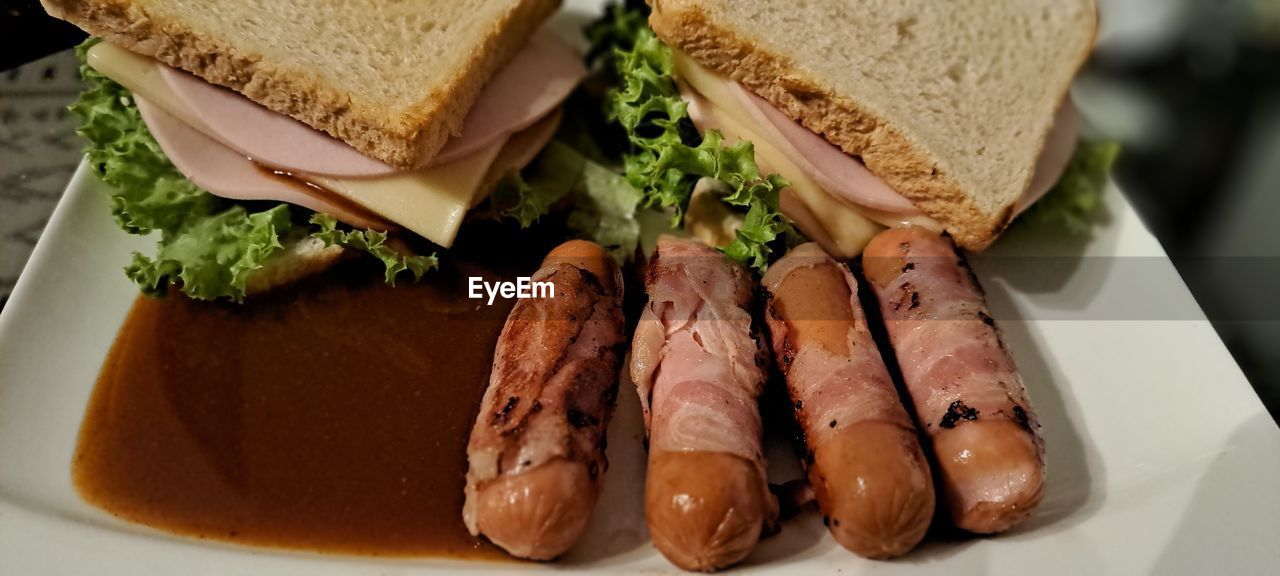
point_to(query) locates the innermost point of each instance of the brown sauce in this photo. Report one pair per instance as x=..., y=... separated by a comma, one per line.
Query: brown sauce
x=310, y=188
x=333, y=416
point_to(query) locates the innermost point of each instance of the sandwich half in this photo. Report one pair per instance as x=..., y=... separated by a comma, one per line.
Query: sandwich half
x=955, y=116
x=263, y=140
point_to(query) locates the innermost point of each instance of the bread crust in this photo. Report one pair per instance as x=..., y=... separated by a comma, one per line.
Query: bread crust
x=405, y=140
x=888, y=153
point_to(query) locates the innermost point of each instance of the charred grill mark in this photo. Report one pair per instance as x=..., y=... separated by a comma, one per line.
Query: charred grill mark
x=788, y=355
x=589, y=278
x=908, y=296
x=579, y=419
x=1021, y=418
x=799, y=441
x=956, y=412
x=501, y=416
x=986, y=318
x=908, y=267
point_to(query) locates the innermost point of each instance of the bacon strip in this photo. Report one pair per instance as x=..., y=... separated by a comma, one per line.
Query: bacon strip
x=863, y=457
x=968, y=395
x=696, y=328
x=550, y=395
x=697, y=365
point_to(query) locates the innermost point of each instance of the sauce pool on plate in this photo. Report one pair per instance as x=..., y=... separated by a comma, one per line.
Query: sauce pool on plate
x=333, y=416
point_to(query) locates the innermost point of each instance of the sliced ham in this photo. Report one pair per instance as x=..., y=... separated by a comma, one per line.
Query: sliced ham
x=535, y=82
x=1058, y=149
x=519, y=151
x=228, y=174
x=844, y=176
x=840, y=174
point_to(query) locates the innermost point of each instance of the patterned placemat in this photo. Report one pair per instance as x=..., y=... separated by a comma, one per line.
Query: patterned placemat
x=38, y=152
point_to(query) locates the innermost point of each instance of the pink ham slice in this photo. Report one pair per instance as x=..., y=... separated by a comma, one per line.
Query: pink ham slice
x=840, y=174
x=1055, y=156
x=539, y=78
x=845, y=177
x=227, y=173
x=535, y=82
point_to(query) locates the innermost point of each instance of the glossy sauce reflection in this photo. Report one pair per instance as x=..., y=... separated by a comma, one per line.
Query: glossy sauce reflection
x=332, y=417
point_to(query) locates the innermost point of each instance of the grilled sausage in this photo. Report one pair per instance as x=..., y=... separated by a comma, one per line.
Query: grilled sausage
x=698, y=368
x=863, y=455
x=536, y=452
x=966, y=390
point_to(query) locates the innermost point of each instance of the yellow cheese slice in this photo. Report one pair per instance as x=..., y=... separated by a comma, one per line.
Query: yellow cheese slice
x=848, y=229
x=430, y=202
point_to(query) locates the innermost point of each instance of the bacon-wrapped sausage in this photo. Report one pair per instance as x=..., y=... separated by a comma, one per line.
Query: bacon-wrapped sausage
x=967, y=393
x=537, y=449
x=863, y=457
x=697, y=365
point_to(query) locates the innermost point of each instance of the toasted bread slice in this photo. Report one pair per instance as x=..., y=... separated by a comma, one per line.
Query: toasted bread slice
x=950, y=103
x=392, y=79
x=299, y=259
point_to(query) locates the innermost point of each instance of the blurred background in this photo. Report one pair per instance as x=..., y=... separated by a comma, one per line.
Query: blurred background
x=1191, y=88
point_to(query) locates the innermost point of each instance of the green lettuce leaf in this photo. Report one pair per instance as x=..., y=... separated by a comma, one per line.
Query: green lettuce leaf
x=603, y=204
x=374, y=243
x=213, y=256
x=528, y=195
x=208, y=245
x=1072, y=204
x=667, y=157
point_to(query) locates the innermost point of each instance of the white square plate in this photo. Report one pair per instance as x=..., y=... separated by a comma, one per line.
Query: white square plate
x=1161, y=458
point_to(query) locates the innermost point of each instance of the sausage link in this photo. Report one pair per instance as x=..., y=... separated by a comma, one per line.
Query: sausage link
x=968, y=395
x=698, y=367
x=536, y=452
x=863, y=457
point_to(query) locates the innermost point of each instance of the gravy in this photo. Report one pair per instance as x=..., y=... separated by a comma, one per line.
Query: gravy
x=333, y=416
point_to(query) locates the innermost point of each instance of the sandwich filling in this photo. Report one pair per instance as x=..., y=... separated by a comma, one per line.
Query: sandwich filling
x=242, y=199
x=740, y=174
x=236, y=149
x=833, y=198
